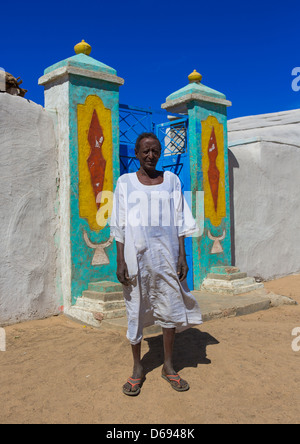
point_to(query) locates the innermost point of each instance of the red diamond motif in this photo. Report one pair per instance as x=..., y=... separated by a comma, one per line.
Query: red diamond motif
x=96, y=161
x=213, y=172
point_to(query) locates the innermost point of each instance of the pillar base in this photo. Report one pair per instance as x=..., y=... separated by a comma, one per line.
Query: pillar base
x=229, y=280
x=103, y=300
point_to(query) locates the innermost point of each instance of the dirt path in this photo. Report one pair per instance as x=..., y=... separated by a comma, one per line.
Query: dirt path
x=241, y=370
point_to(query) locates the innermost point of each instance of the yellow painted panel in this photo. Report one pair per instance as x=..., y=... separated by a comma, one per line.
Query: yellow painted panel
x=87, y=202
x=211, y=213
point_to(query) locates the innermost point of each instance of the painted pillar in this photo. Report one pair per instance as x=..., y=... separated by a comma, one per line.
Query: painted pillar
x=84, y=94
x=207, y=133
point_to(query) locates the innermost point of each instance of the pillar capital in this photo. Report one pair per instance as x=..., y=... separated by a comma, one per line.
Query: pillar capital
x=178, y=101
x=80, y=65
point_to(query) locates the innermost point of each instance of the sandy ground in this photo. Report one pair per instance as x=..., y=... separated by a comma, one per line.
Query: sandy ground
x=241, y=370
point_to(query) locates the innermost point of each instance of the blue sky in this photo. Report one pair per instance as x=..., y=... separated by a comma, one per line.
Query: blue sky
x=245, y=50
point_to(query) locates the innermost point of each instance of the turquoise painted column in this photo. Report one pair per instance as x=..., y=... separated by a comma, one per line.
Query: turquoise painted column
x=83, y=96
x=208, y=154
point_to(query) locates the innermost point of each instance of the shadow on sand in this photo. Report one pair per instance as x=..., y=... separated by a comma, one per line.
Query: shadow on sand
x=189, y=350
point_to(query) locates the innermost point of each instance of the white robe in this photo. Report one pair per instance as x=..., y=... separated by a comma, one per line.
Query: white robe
x=149, y=220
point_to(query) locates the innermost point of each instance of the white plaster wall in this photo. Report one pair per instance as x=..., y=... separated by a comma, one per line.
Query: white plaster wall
x=28, y=228
x=57, y=101
x=266, y=184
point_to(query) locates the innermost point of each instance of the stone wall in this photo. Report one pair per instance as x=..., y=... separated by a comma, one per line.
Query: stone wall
x=29, y=225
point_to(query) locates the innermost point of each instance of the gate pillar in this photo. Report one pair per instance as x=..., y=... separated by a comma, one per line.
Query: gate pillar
x=207, y=139
x=83, y=95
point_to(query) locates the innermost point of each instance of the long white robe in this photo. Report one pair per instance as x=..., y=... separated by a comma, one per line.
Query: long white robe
x=149, y=220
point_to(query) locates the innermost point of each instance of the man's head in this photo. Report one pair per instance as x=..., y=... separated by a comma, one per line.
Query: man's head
x=148, y=151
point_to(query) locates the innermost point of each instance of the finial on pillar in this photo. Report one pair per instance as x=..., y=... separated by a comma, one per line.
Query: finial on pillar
x=195, y=77
x=82, y=48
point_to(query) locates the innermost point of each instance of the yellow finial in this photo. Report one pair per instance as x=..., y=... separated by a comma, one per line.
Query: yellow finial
x=195, y=77
x=82, y=48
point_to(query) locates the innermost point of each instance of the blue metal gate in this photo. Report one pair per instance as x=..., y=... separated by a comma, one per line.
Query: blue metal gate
x=133, y=121
x=173, y=136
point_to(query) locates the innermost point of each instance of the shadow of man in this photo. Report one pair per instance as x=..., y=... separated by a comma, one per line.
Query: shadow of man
x=189, y=350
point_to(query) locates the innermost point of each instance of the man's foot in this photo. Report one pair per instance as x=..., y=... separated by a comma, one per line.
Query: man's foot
x=133, y=384
x=132, y=387
x=178, y=384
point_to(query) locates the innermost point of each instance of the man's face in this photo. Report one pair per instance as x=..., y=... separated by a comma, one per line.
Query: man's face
x=148, y=153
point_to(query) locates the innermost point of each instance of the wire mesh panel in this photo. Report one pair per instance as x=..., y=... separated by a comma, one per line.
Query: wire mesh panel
x=133, y=121
x=173, y=137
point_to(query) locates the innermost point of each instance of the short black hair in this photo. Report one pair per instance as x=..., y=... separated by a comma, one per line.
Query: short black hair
x=146, y=136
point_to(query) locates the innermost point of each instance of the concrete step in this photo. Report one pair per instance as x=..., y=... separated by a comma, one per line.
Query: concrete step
x=227, y=277
x=103, y=300
x=224, y=269
x=115, y=313
x=215, y=306
x=89, y=304
x=105, y=287
x=229, y=280
x=96, y=305
x=232, y=290
x=93, y=319
x=224, y=283
x=104, y=297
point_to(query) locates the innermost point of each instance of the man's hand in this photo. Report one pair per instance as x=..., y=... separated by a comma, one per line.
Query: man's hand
x=182, y=268
x=122, y=273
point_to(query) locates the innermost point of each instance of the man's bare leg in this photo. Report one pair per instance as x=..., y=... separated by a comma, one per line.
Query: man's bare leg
x=168, y=369
x=138, y=371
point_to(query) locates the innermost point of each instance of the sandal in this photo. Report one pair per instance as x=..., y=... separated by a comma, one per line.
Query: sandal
x=177, y=379
x=133, y=382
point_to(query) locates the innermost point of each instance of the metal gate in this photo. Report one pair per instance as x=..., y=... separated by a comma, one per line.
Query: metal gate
x=173, y=136
x=133, y=121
